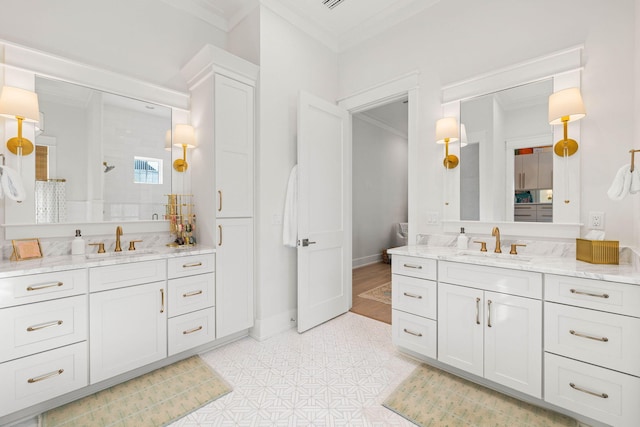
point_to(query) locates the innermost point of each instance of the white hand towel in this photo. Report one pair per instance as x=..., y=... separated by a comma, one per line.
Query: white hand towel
x=635, y=181
x=12, y=184
x=290, y=220
x=621, y=184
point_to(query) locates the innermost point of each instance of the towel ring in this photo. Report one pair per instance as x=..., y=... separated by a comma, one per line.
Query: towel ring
x=632, y=158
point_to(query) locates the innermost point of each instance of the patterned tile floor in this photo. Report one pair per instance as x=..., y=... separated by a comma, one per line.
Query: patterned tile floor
x=336, y=374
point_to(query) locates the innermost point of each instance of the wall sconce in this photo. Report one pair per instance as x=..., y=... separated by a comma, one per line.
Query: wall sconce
x=566, y=106
x=185, y=137
x=447, y=131
x=22, y=105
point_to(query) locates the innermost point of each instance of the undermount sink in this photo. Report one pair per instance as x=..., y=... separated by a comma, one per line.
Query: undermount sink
x=496, y=256
x=118, y=254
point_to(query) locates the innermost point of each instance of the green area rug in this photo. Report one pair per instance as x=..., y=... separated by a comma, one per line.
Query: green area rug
x=381, y=294
x=154, y=399
x=430, y=397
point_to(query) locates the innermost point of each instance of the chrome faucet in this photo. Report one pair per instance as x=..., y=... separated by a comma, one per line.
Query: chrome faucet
x=496, y=232
x=118, y=234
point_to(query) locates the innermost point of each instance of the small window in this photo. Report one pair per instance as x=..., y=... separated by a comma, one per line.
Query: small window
x=147, y=170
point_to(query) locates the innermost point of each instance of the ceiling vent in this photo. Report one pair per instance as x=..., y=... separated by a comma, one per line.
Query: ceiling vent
x=332, y=3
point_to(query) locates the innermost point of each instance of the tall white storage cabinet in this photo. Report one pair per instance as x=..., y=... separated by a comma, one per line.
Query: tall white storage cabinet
x=222, y=90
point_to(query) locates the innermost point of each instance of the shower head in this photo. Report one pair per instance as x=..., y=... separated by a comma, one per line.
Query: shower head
x=107, y=168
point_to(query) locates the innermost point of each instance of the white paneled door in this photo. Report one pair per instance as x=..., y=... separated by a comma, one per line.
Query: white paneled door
x=324, y=211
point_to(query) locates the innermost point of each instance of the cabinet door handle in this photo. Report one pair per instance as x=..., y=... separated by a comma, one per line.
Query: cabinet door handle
x=220, y=236
x=194, y=264
x=489, y=313
x=592, y=393
x=44, y=325
x=591, y=337
x=162, y=300
x=477, y=311
x=219, y=200
x=407, y=294
x=415, y=334
x=573, y=291
x=45, y=376
x=418, y=267
x=190, y=331
x=45, y=286
x=192, y=294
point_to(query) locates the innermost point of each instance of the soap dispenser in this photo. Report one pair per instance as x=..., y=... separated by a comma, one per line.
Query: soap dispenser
x=77, y=244
x=463, y=240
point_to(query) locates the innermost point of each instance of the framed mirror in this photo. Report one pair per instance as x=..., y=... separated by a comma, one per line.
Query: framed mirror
x=504, y=114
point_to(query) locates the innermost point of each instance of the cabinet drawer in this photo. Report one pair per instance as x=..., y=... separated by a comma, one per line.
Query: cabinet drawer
x=598, y=393
x=605, y=339
x=43, y=376
x=415, y=296
x=422, y=268
x=189, y=265
x=189, y=294
x=414, y=333
x=614, y=297
x=122, y=275
x=40, y=287
x=42, y=326
x=514, y=282
x=191, y=330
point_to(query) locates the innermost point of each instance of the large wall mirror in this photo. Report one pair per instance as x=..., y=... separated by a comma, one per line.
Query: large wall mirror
x=508, y=174
x=99, y=156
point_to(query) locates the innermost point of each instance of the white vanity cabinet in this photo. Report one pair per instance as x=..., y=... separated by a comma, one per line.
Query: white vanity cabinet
x=43, y=350
x=490, y=324
x=413, y=315
x=128, y=317
x=592, y=348
x=191, y=288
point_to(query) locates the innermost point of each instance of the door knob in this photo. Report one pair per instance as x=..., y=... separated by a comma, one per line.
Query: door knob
x=306, y=242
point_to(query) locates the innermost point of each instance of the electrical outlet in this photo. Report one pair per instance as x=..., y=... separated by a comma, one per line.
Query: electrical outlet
x=596, y=220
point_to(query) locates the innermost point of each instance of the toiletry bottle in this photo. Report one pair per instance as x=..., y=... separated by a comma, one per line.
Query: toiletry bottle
x=77, y=244
x=463, y=240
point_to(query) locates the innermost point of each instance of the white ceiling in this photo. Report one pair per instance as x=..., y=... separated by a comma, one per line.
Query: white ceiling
x=344, y=26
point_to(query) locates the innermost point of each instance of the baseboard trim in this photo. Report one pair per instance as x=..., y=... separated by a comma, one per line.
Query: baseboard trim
x=367, y=260
x=267, y=328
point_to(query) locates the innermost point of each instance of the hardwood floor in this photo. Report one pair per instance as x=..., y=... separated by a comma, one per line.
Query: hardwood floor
x=369, y=277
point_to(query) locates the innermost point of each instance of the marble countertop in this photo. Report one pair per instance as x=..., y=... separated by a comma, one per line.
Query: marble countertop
x=70, y=262
x=628, y=271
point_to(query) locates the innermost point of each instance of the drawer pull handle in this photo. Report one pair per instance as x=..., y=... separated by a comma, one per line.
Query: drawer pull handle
x=190, y=331
x=45, y=376
x=477, y=311
x=415, y=334
x=192, y=294
x=602, y=395
x=162, y=300
x=591, y=337
x=44, y=325
x=489, y=313
x=419, y=267
x=194, y=264
x=573, y=291
x=48, y=285
x=219, y=200
x=407, y=294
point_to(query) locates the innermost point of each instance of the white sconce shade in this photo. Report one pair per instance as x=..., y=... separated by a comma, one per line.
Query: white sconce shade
x=447, y=130
x=566, y=103
x=184, y=135
x=16, y=102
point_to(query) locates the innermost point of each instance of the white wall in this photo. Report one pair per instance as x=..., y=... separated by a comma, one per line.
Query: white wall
x=379, y=190
x=147, y=39
x=290, y=61
x=498, y=33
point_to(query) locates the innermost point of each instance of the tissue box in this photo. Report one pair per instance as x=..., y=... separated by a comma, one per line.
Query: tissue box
x=598, y=251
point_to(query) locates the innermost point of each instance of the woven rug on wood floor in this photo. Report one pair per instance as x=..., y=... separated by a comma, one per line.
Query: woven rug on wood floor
x=154, y=399
x=430, y=397
x=381, y=294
